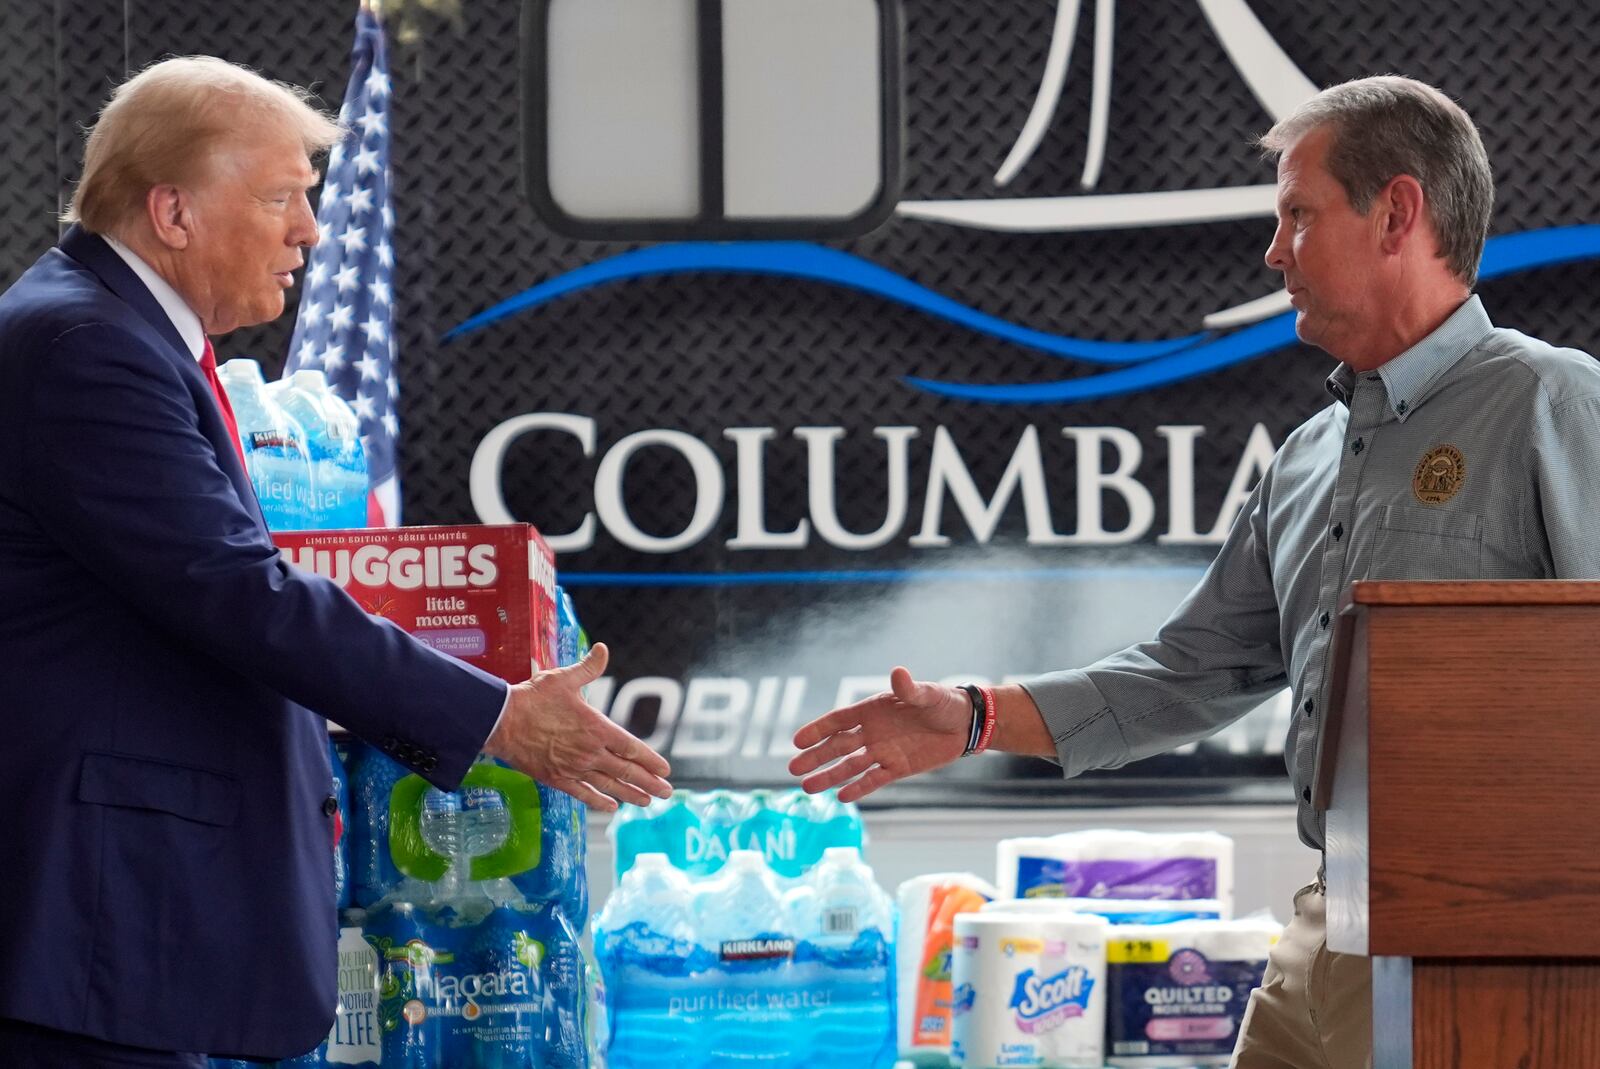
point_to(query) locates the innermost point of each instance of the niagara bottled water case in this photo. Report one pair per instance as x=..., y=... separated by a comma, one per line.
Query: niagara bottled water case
x=471, y=931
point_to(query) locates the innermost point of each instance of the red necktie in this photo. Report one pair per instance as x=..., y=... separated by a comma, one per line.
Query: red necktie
x=208, y=364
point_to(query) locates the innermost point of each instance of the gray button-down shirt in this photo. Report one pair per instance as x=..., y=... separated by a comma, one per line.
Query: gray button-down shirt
x=1475, y=454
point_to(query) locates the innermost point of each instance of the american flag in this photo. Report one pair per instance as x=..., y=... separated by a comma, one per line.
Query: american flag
x=345, y=326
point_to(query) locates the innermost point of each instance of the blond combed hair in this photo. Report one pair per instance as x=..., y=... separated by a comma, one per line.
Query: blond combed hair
x=163, y=125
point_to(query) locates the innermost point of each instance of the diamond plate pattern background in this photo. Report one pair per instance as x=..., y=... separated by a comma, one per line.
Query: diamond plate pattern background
x=700, y=354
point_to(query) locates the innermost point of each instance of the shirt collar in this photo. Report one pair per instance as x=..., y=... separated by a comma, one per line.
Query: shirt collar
x=1410, y=377
x=183, y=318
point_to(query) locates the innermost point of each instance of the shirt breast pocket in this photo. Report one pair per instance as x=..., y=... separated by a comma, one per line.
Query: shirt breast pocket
x=1416, y=543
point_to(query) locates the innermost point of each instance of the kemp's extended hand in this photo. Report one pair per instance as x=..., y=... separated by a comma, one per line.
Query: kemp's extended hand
x=553, y=735
x=911, y=728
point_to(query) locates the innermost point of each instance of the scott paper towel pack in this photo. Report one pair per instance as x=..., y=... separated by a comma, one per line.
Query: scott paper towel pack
x=1118, y=864
x=1177, y=993
x=929, y=906
x=1029, y=991
x=1116, y=910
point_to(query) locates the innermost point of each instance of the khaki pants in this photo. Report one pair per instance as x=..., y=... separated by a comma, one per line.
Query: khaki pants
x=1313, y=1009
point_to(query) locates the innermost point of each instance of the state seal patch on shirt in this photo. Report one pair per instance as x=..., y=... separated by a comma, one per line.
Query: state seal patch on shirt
x=1440, y=475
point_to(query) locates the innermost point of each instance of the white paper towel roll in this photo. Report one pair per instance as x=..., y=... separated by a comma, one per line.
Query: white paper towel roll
x=1177, y=992
x=1116, y=910
x=1118, y=864
x=1029, y=991
x=923, y=982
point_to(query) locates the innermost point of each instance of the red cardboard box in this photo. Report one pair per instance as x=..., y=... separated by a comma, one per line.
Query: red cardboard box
x=485, y=594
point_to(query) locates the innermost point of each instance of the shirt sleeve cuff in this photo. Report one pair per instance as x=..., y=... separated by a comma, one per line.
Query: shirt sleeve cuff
x=1083, y=726
x=504, y=706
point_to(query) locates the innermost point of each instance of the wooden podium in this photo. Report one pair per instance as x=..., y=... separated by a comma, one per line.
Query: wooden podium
x=1460, y=773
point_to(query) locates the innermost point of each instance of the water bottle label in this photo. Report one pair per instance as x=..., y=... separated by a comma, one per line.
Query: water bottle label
x=756, y=949
x=357, y=1037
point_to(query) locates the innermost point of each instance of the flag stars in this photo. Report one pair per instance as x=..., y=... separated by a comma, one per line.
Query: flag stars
x=378, y=84
x=390, y=424
x=376, y=331
x=308, y=353
x=365, y=407
x=385, y=254
x=316, y=275
x=343, y=316
x=371, y=123
x=354, y=239
x=366, y=161
x=379, y=290
x=371, y=368
x=360, y=200
x=333, y=358
x=348, y=278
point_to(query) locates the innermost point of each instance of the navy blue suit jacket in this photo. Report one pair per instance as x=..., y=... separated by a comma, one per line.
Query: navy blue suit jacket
x=169, y=868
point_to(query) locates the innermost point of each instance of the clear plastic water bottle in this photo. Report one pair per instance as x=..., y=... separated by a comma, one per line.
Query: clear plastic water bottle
x=297, y=401
x=567, y=629
x=310, y=493
x=344, y=471
x=744, y=926
x=274, y=444
x=408, y=947
x=666, y=826
x=596, y=1022
x=373, y=775
x=720, y=815
x=463, y=825
x=507, y=997
x=818, y=822
x=650, y=962
x=853, y=941
x=768, y=830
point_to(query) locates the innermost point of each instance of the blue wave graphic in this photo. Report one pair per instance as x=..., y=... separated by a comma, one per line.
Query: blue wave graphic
x=815, y=263
x=1146, y=364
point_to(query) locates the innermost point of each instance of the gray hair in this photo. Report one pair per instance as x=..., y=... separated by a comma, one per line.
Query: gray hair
x=1388, y=126
x=163, y=125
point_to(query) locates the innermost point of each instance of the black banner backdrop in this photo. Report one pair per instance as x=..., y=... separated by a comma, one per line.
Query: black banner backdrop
x=770, y=406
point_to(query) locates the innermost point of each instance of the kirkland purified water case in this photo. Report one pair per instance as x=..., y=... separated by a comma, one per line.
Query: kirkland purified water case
x=484, y=594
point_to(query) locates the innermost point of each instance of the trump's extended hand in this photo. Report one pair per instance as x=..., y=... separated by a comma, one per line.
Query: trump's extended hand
x=553, y=735
x=910, y=728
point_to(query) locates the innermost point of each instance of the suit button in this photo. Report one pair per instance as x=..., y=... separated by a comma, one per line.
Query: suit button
x=330, y=805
